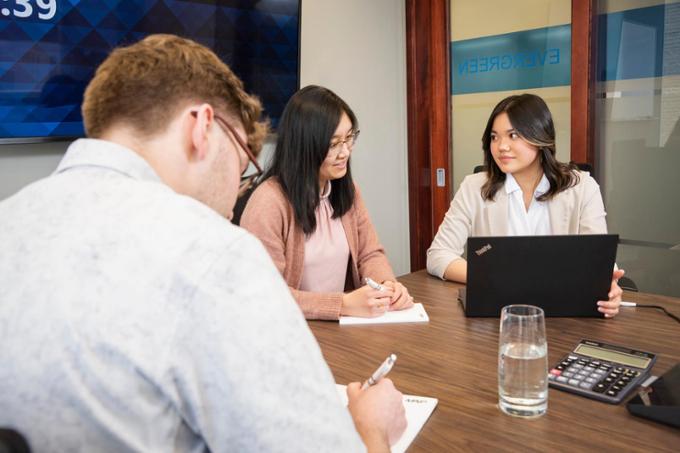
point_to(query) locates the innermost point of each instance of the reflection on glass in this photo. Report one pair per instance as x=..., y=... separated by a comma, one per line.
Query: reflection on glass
x=638, y=152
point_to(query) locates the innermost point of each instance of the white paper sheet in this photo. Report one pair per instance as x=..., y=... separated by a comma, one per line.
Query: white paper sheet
x=418, y=410
x=416, y=313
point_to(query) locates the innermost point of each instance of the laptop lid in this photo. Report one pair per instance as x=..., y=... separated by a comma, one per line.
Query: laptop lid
x=564, y=275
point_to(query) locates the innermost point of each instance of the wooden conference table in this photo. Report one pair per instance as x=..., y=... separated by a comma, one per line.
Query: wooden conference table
x=454, y=359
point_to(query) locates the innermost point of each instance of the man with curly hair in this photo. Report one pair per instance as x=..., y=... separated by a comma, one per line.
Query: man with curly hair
x=133, y=315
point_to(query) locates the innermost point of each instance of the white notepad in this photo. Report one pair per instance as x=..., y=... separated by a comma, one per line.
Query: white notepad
x=418, y=410
x=416, y=313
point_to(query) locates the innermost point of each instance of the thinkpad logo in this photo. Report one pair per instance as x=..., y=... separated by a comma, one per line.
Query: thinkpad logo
x=483, y=250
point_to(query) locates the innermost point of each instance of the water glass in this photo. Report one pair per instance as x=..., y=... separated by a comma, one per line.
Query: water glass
x=522, y=361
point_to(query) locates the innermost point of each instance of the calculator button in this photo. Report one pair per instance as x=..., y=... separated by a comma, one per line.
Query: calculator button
x=597, y=374
x=565, y=363
x=588, y=368
x=626, y=378
x=616, y=388
x=621, y=383
x=551, y=377
x=572, y=358
x=604, y=368
x=567, y=374
x=595, y=364
x=579, y=377
x=585, y=385
x=600, y=388
x=618, y=369
x=590, y=380
x=611, y=393
x=555, y=371
x=560, y=367
x=582, y=362
x=573, y=382
x=577, y=365
x=609, y=380
x=562, y=379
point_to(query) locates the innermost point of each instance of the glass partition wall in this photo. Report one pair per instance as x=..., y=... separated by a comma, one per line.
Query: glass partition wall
x=638, y=136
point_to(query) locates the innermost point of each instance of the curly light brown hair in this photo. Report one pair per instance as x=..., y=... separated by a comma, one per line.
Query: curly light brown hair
x=144, y=85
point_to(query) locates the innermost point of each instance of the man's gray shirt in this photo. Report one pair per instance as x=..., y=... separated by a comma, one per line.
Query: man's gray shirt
x=136, y=319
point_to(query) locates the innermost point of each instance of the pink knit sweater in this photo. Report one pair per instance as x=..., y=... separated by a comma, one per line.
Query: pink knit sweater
x=269, y=216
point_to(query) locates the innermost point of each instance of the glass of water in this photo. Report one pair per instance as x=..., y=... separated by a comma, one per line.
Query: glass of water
x=522, y=362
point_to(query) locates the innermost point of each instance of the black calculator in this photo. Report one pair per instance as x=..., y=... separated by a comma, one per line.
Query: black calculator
x=601, y=371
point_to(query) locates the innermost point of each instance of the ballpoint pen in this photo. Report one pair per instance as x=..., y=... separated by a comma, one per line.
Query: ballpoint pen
x=381, y=372
x=373, y=284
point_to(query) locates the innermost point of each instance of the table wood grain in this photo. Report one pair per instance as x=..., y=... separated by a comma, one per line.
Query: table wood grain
x=454, y=359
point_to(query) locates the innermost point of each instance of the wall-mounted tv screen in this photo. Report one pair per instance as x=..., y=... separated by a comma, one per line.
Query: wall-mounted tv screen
x=49, y=50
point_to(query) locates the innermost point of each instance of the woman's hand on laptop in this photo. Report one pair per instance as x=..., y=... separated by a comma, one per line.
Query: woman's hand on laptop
x=610, y=308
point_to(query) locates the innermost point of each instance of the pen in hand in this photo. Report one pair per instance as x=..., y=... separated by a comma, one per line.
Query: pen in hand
x=381, y=372
x=373, y=284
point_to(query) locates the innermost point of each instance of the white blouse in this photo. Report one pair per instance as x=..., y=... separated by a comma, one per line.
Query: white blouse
x=535, y=221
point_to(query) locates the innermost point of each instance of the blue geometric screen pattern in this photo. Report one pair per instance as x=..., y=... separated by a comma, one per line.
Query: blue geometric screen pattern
x=49, y=54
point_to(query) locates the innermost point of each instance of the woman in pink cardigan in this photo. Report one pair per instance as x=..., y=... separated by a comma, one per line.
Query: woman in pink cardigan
x=312, y=220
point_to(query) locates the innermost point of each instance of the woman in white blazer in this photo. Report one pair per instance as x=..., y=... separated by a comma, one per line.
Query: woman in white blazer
x=525, y=190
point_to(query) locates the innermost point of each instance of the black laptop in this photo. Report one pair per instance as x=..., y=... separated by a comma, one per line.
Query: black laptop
x=564, y=275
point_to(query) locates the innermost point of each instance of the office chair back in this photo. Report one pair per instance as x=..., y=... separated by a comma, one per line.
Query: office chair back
x=585, y=167
x=627, y=284
x=11, y=441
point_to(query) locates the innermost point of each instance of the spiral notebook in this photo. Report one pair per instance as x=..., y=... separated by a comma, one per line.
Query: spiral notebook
x=418, y=410
x=416, y=313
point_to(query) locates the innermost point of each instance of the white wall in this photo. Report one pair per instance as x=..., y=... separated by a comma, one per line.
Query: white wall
x=23, y=164
x=357, y=48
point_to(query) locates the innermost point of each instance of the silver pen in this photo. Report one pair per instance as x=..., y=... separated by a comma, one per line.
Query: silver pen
x=373, y=284
x=381, y=372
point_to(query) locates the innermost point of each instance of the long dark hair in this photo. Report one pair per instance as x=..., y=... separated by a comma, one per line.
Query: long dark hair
x=305, y=130
x=531, y=118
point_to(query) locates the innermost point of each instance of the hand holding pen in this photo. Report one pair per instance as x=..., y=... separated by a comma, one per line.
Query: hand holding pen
x=367, y=301
x=400, y=298
x=378, y=408
x=381, y=372
x=373, y=284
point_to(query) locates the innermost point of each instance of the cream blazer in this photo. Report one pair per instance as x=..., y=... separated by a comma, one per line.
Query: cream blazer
x=577, y=210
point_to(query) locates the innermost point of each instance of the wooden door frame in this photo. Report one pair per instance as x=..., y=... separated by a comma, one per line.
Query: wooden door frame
x=428, y=41
x=583, y=80
x=429, y=120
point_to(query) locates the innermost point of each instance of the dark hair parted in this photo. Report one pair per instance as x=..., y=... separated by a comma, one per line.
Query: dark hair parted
x=305, y=131
x=531, y=119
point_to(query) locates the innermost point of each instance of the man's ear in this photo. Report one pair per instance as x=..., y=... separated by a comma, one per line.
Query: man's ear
x=202, y=119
